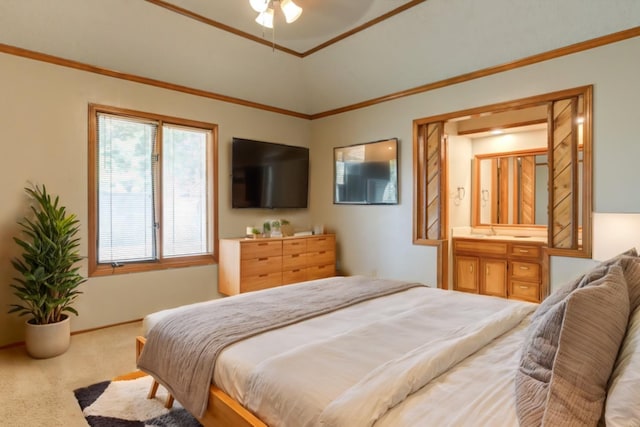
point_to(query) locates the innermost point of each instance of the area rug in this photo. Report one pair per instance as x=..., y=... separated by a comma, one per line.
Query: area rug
x=122, y=402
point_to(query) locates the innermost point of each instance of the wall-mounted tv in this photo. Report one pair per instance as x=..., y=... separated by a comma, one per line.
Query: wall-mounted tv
x=366, y=174
x=268, y=175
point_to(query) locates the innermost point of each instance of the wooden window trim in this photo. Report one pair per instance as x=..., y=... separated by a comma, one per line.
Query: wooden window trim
x=96, y=269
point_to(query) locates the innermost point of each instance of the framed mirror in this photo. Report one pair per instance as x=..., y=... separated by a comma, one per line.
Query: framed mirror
x=366, y=174
x=511, y=188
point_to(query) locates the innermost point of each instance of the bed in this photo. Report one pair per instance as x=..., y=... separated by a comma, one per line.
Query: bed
x=407, y=355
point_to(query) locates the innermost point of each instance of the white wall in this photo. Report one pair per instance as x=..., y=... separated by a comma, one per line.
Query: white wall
x=43, y=134
x=374, y=238
x=460, y=158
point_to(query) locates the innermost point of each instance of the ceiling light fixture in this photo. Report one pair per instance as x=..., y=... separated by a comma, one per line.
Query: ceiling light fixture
x=266, y=9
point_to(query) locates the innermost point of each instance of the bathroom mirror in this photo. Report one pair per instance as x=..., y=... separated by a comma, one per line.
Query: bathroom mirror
x=511, y=188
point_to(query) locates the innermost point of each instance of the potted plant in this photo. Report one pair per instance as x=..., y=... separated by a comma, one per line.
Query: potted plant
x=266, y=229
x=48, y=282
x=286, y=228
x=275, y=228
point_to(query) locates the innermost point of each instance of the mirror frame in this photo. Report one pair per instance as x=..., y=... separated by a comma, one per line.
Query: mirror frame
x=393, y=144
x=565, y=236
x=476, y=195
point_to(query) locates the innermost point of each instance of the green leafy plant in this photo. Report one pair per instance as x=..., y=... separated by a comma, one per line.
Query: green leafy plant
x=49, y=280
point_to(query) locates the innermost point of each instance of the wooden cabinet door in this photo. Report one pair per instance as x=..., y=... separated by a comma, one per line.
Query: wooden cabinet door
x=467, y=274
x=494, y=277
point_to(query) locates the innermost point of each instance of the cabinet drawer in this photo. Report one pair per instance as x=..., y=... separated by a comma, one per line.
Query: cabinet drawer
x=525, y=251
x=292, y=261
x=321, y=258
x=260, y=281
x=321, y=243
x=485, y=248
x=321, y=271
x=294, y=276
x=261, y=249
x=254, y=267
x=525, y=290
x=295, y=246
x=525, y=270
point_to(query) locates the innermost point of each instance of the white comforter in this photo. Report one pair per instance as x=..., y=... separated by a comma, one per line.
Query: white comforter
x=348, y=368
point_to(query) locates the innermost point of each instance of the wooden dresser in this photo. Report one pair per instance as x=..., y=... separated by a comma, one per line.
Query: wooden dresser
x=252, y=264
x=503, y=268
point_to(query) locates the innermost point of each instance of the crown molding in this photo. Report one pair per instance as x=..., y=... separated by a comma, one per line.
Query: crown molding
x=556, y=53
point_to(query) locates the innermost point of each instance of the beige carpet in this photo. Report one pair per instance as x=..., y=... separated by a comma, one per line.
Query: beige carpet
x=40, y=392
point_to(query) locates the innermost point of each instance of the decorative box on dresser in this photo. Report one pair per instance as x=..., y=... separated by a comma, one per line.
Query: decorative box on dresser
x=252, y=264
x=503, y=268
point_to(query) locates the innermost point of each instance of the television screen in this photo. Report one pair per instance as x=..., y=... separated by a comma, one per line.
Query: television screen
x=366, y=173
x=268, y=175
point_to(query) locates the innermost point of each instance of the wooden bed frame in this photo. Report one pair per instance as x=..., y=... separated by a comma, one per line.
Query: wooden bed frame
x=222, y=410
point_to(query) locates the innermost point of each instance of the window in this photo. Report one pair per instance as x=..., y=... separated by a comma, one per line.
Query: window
x=152, y=182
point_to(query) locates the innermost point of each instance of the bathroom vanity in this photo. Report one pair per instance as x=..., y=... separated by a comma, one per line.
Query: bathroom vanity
x=502, y=266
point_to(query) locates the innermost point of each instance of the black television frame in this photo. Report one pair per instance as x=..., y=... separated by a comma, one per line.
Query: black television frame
x=340, y=175
x=275, y=145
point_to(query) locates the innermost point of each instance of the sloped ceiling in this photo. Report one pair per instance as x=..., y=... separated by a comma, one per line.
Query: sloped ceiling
x=431, y=41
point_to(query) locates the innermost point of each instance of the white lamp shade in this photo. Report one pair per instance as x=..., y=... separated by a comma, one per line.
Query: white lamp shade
x=266, y=18
x=290, y=10
x=259, y=5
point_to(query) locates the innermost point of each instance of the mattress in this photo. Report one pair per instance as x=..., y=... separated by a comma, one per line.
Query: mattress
x=292, y=362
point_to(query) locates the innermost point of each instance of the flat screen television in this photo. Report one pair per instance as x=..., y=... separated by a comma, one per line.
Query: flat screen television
x=268, y=175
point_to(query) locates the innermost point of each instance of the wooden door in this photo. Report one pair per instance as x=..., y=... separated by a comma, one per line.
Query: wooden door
x=494, y=277
x=466, y=278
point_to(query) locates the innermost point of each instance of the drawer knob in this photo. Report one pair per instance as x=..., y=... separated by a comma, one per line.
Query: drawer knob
x=262, y=259
x=524, y=287
x=522, y=267
x=524, y=251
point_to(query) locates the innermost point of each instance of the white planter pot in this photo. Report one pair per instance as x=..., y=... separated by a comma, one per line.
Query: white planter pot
x=44, y=341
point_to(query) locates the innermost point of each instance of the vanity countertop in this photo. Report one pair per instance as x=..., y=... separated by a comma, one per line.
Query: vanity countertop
x=510, y=238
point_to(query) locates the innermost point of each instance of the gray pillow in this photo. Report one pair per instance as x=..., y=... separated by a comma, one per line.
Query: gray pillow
x=560, y=294
x=631, y=268
x=570, y=351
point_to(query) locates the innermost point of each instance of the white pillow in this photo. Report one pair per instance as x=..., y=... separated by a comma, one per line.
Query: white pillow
x=622, y=408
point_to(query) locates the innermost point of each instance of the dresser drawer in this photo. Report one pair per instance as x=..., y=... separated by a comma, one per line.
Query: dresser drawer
x=295, y=246
x=294, y=276
x=321, y=271
x=321, y=243
x=261, y=249
x=528, y=251
x=525, y=270
x=478, y=246
x=292, y=261
x=527, y=291
x=254, y=267
x=260, y=281
x=321, y=258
